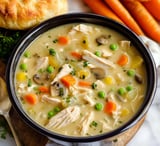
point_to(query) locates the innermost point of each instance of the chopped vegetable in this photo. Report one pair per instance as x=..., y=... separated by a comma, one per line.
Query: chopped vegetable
x=98, y=53
x=83, y=74
x=113, y=47
x=52, y=52
x=27, y=54
x=29, y=82
x=101, y=94
x=21, y=76
x=123, y=60
x=99, y=106
x=121, y=91
x=84, y=83
x=53, y=112
x=85, y=63
x=94, y=85
x=110, y=107
x=43, y=89
x=31, y=98
x=68, y=80
x=23, y=66
x=108, y=80
x=129, y=88
x=131, y=72
x=124, y=15
x=76, y=55
x=63, y=40
x=50, y=69
x=100, y=8
x=94, y=123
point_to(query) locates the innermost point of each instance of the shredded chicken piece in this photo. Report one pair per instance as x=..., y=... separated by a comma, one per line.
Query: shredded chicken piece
x=99, y=62
x=125, y=43
x=42, y=63
x=81, y=28
x=85, y=122
x=66, y=69
x=65, y=117
x=51, y=99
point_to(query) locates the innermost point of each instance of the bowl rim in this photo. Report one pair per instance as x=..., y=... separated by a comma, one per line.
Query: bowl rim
x=81, y=18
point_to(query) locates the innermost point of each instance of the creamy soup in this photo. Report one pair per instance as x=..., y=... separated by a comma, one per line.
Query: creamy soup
x=81, y=80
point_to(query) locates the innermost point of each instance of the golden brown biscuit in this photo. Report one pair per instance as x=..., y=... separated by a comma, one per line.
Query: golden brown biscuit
x=23, y=14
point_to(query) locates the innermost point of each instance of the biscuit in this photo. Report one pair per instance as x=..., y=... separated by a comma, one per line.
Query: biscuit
x=23, y=14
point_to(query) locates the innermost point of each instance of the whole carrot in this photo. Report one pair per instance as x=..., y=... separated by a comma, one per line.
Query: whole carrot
x=143, y=18
x=124, y=15
x=153, y=6
x=99, y=7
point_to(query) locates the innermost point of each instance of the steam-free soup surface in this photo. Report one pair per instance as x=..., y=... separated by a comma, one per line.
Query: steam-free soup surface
x=81, y=80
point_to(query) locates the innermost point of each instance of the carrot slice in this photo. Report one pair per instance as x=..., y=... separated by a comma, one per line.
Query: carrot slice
x=43, y=89
x=99, y=7
x=153, y=6
x=124, y=15
x=76, y=55
x=123, y=60
x=68, y=80
x=143, y=18
x=63, y=40
x=84, y=84
x=31, y=98
x=110, y=107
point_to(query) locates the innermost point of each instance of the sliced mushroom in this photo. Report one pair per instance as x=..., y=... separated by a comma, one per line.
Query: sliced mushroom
x=41, y=79
x=97, y=61
x=138, y=79
x=57, y=89
x=99, y=73
x=102, y=40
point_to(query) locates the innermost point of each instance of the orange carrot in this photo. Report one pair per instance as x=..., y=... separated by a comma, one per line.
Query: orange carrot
x=43, y=89
x=124, y=15
x=84, y=83
x=110, y=107
x=99, y=7
x=76, y=55
x=123, y=60
x=63, y=40
x=143, y=18
x=68, y=80
x=153, y=6
x=31, y=98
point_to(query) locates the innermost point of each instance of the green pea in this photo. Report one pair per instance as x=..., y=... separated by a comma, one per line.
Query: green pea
x=56, y=109
x=101, y=94
x=129, y=88
x=131, y=72
x=98, y=53
x=52, y=52
x=29, y=82
x=113, y=47
x=121, y=91
x=99, y=106
x=50, y=69
x=50, y=114
x=23, y=66
x=27, y=54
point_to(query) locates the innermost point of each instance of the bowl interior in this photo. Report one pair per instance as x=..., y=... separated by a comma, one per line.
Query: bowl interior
x=81, y=18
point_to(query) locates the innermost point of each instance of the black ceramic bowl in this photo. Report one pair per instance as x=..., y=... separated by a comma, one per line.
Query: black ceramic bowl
x=82, y=18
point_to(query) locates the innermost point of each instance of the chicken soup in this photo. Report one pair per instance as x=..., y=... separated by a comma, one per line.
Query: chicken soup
x=81, y=80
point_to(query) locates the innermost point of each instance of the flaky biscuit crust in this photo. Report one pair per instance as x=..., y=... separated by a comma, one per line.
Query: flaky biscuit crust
x=23, y=14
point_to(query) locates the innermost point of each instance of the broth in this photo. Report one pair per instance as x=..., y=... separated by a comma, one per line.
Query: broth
x=81, y=80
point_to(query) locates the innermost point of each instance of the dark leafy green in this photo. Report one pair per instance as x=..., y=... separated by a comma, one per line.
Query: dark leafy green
x=8, y=40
